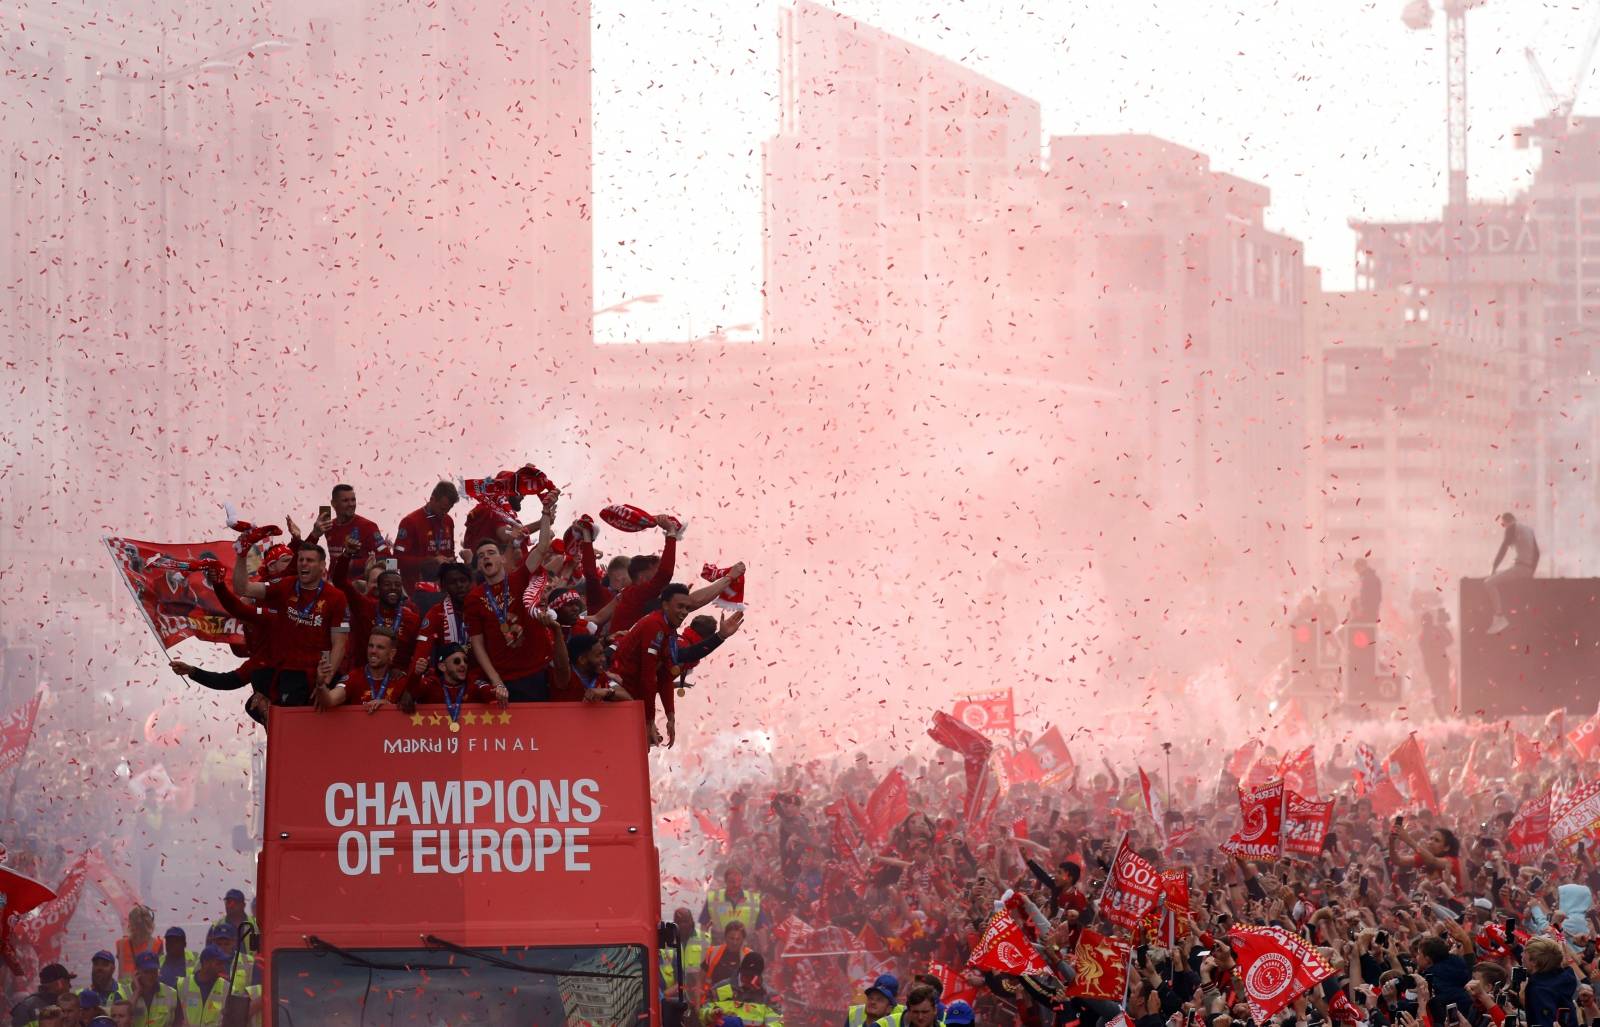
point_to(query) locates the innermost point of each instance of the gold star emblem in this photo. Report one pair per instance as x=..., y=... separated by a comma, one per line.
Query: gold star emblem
x=416, y=720
x=435, y=719
x=471, y=718
x=505, y=718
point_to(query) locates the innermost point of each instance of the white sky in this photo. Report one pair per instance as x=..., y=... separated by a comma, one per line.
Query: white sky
x=1332, y=103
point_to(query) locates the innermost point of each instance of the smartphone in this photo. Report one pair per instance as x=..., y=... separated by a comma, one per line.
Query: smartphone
x=1511, y=926
x=1535, y=885
x=391, y=564
x=1399, y=821
x=324, y=512
x=1382, y=938
x=1450, y=1011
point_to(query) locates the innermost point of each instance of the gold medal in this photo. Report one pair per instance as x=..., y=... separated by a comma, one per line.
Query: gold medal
x=455, y=725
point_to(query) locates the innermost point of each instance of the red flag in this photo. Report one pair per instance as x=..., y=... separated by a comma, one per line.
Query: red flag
x=814, y=967
x=1342, y=1010
x=1003, y=948
x=1529, y=834
x=1299, y=771
x=1260, y=834
x=1575, y=816
x=852, y=854
x=989, y=712
x=1101, y=963
x=1239, y=762
x=983, y=790
x=889, y=804
x=715, y=831
x=169, y=586
x=1178, y=838
x=1152, y=802
x=1527, y=751
x=1586, y=736
x=1306, y=823
x=954, y=987
x=1053, y=756
x=41, y=933
x=16, y=731
x=111, y=884
x=1130, y=890
x=1276, y=968
x=1023, y=765
x=1408, y=775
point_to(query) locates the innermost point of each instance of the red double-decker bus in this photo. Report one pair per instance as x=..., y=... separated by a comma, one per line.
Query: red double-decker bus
x=499, y=869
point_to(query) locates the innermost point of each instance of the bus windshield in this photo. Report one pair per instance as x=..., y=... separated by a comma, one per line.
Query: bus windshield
x=432, y=987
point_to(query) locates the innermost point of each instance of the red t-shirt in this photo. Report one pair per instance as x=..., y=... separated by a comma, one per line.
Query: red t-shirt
x=362, y=686
x=445, y=621
x=643, y=659
x=422, y=535
x=358, y=530
x=431, y=690
x=636, y=600
x=404, y=621
x=301, y=623
x=518, y=645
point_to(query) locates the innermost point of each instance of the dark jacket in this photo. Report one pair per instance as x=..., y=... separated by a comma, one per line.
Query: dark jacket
x=1447, y=979
x=1548, y=993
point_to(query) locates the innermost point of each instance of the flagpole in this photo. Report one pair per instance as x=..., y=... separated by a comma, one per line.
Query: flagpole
x=137, y=602
x=1166, y=747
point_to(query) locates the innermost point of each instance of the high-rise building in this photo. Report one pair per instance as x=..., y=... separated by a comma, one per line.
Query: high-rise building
x=1406, y=458
x=884, y=153
x=1132, y=264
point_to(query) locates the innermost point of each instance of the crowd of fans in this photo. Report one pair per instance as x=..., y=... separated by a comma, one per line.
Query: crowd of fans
x=1430, y=920
x=151, y=979
x=503, y=612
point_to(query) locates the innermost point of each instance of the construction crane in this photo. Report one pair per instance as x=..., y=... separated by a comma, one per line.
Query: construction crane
x=1558, y=106
x=1418, y=15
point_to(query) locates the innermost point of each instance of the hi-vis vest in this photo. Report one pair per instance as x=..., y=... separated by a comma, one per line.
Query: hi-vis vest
x=724, y=912
x=206, y=1012
x=162, y=1010
x=858, y=1016
x=694, y=953
x=754, y=1014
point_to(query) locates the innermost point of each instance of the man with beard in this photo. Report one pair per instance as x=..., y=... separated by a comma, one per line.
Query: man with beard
x=308, y=627
x=382, y=681
x=450, y=685
x=385, y=605
x=649, y=654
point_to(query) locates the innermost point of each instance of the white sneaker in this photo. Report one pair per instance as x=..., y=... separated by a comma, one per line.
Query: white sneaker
x=1498, y=625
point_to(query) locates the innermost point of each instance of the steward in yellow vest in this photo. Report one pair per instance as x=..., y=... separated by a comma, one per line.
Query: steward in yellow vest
x=153, y=1004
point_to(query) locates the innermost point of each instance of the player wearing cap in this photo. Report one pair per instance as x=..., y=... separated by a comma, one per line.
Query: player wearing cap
x=103, y=976
x=234, y=916
x=879, y=1006
x=154, y=1004
x=177, y=962
x=744, y=998
x=54, y=982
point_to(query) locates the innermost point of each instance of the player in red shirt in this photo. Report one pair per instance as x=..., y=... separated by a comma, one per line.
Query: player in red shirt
x=308, y=626
x=586, y=679
x=511, y=646
x=382, y=681
x=648, y=657
x=385, y=604
x=649, y=575
x=446, y=621
x=426, y=539
x=347, y=531
x=450, y=685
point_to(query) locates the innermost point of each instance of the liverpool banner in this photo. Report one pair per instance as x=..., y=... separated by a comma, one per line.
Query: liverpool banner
x=168, y=583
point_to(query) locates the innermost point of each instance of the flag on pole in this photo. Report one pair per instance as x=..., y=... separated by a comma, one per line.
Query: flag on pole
x=16, y=731
x=1152, y=803
x=1260, y=834
x=983, y=788
x=168, y=583
x=1131, y=887
x=1276, y=968
x=1101, y=962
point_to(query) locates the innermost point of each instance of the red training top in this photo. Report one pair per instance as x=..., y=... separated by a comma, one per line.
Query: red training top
x=422, y=535
x=358, y=531
x=518, y=646
x=301, y=623
x=638, y=598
